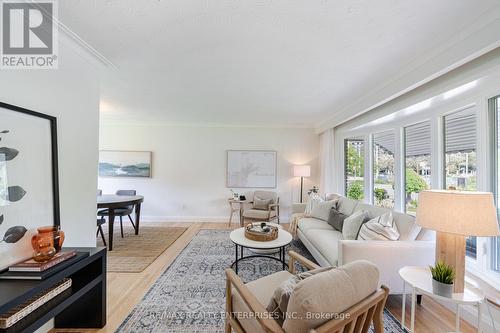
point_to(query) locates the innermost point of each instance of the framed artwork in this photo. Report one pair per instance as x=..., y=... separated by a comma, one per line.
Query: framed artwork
x=116, y=163
x=29, y=188
x=251, y=168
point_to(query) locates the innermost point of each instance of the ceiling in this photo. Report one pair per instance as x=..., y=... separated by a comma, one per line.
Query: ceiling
x=257, y=62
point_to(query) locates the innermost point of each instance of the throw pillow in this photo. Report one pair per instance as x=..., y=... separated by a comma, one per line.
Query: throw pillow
x=262, y=204
x=353, y=223
x=312, y=201
x=379, y=228
x=336, y=219
x=321, y=210
x=279, y=302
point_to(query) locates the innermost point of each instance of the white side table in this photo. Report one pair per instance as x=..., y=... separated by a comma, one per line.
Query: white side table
x=420, y=281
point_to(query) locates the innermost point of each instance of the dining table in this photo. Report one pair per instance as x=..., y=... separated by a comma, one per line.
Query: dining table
x=110, y=202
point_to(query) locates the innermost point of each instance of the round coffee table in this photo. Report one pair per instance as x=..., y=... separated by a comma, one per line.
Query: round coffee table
x=237, y=236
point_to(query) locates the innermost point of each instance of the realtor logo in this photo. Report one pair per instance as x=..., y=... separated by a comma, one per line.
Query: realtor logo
x=29, y=34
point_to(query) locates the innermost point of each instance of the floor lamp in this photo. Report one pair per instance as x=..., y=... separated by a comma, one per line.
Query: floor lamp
x=455, y=215
x=301, y=171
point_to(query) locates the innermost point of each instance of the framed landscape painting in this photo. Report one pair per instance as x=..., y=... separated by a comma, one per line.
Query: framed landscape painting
x=251, y=168
x=116, y=163
x=29, y=195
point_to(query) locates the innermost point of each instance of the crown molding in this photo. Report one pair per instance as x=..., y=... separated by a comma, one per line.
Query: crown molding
x=74, y=37
x=111, y=122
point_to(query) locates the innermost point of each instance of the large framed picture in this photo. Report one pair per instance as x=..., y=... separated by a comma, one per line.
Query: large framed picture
x=117, y=163
x=29, y=190
x=251, y=169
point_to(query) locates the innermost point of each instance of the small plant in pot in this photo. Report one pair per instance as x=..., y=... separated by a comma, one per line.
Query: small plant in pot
x=442, y=279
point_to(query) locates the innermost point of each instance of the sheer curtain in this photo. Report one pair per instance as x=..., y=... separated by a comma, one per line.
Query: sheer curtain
x=326, y=140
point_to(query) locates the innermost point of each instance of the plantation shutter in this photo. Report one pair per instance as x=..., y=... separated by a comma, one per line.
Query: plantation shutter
x=385, y=140
x=460, y=132
x=418, y=139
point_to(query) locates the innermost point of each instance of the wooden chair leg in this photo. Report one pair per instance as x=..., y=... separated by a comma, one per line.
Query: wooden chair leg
x=230, y=218
x=121, y=225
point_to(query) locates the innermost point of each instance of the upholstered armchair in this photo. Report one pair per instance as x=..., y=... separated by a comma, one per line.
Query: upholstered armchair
x=265, y=207
x=344, y=299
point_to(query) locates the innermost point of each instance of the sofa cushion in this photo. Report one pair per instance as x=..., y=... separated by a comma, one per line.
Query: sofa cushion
x=336, y=219
x=307, y=223
x=322, y=210
x=326, y=242
x=278, y=304
x=312, y=201
x=353, y=223
x=262, y=204
x=408, y=229
x=258, y=214
x=381, y=228
x=263, y=290
x=332, y=196
x=371, y=210
x=329, y=293
x=346, y=206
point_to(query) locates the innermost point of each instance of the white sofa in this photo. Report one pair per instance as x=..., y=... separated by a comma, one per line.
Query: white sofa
x=416, y=246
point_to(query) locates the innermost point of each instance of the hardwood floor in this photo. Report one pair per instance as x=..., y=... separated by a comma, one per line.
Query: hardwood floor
x=127, y=289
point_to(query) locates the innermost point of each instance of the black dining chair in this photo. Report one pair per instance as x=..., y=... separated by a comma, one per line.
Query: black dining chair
x=100, y=222
x=122, y=211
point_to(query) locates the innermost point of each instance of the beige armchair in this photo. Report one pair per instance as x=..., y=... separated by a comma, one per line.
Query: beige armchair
x=346, y=299
x=265, y=207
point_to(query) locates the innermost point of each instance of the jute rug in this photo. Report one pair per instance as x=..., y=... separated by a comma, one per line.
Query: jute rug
x=133, y=253
x=190, y=295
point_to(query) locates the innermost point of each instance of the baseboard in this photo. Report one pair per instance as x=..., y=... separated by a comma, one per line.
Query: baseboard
x=192, y=219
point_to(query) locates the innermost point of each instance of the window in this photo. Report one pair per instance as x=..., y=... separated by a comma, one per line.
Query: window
x=460, y=158
x=354, y=168
x=417, y=163
x=383, y=169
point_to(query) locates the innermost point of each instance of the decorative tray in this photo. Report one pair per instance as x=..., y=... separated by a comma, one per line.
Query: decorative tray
x=261, y=232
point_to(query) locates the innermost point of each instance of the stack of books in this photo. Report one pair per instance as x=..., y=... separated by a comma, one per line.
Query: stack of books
x=32, y=270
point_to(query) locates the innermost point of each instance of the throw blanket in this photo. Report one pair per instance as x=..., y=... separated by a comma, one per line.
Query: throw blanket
x=294, y=223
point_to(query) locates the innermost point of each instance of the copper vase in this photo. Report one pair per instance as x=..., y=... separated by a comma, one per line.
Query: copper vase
x=47, y=243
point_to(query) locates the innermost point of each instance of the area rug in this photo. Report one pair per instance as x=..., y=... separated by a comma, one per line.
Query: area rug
x=189, y=295
x=133, y=253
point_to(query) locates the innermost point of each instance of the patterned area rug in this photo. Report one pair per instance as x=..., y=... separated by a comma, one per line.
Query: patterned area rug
x=133, y=253
x=189, y=295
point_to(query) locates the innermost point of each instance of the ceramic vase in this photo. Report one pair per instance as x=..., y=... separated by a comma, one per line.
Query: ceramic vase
x=47, y=242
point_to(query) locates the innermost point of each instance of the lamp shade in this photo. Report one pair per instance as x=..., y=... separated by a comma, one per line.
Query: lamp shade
x=457, y=212
x=302, y=171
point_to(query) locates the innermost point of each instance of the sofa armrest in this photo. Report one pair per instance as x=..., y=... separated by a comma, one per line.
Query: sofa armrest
x=389, y=256
x=298, y=208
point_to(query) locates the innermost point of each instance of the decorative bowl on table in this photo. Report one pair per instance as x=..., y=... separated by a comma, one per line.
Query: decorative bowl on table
x=261, y=232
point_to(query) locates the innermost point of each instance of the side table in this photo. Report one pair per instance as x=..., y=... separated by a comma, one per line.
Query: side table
x=420, y=281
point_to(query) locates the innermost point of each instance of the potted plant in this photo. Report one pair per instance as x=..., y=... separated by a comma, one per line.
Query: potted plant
x=442, y=279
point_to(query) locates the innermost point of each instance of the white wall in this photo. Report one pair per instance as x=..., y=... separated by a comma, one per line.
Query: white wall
x=71, y=93
x=189, y=166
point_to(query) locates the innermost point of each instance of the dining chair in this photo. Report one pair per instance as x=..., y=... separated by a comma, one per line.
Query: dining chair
x=100, y=222
x=122, y=211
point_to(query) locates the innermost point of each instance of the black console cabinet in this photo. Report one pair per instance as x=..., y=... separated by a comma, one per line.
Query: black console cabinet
x=81, y=306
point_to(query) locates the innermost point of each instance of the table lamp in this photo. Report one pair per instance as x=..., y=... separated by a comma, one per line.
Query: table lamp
x=301, y=171
x=454, y=215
